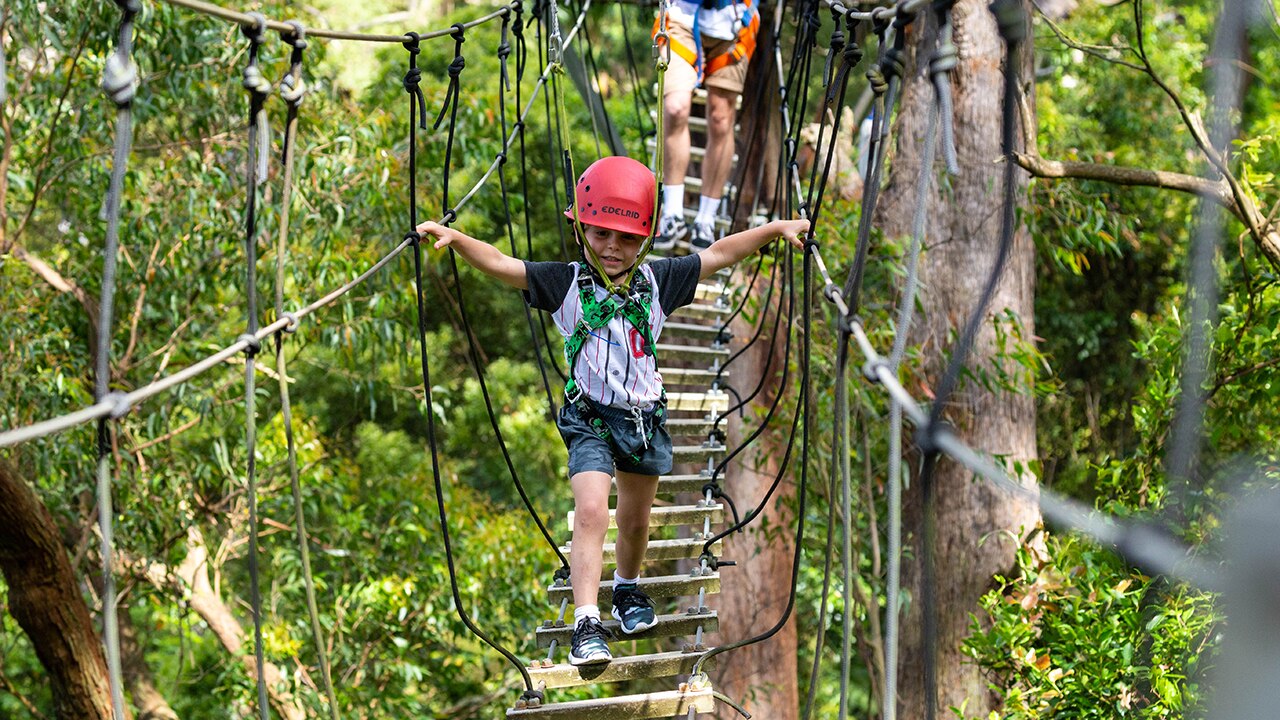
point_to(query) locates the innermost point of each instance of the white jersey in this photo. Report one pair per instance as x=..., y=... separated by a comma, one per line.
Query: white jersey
x=721, y=23
x=612, y=368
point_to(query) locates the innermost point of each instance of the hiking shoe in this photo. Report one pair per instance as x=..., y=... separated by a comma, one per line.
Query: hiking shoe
x=632, y=609
x=703, y=235
x=589, y=645
x=670, y=229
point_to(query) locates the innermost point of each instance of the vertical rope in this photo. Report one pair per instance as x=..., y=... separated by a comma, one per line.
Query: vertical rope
x=258, y=88
x=293, y=89
x=120, y=82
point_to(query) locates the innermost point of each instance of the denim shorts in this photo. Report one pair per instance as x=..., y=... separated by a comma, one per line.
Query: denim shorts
x=588, y=451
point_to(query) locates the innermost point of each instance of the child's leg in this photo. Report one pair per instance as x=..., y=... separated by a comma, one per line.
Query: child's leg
x=635, y=500
x=590, y=521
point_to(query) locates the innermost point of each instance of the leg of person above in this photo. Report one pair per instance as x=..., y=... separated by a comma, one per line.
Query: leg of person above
x=716, y=166
x=590, y=521
x=631, y=606
x=677, y=98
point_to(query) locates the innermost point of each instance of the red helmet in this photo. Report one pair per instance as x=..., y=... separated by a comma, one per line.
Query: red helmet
x=617, y=193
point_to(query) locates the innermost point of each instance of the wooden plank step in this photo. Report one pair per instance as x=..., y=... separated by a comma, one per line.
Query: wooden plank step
x=698, y=402
x=679, y=549
x=669, y=515
x=708, y=310
x=697, y=123
x=710, y=292
x=699, y=377
x=691, y=330
x=659, y=586
x=696, y=453
x=665, y=704
x=620, y=669
x=698, y=427
x=668, y=352
x=668, y=484
x=695, y=153
x=700, y=98
x=668, y=626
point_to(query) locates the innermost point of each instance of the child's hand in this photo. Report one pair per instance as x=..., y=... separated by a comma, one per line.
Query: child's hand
x=444, y=236
x=794, y=231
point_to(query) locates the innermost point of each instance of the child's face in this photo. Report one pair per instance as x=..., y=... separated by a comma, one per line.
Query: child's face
x=617, y=250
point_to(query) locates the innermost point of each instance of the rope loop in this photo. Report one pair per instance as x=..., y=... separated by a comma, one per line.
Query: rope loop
x=413, y=43
x=1011, y=20
x=871, y=370
x=945, y=58
x=295, y=36
x=502, y=158
x=291, y=323
x=120, y=80
x=120, y=405
x=811, y=245
x=450, y=216
x=893, y=64
x=926, y=438
x=129, y=7
x=292, y=86
x=414, y=237
x=456, y=66
x=458, y=33
x=562, y=573
x=879, y=85
x=253, y=345
x=852, y=51
x=257, y=32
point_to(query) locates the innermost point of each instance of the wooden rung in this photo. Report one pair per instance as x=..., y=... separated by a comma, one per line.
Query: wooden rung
x=697, y=122
x=620, y=669
x=709, y=292
x=716, y=402
x=695, y=152
x=681, y=549
x=691, y=330
x=668, y=484
x=693, y=427
x=661, y=586
x=696, y=453
x=670, y=515
x=668, y=626
x=696, y=377
x=697, y=353
x=665, y=704
x=703, y=310
x=691, y=215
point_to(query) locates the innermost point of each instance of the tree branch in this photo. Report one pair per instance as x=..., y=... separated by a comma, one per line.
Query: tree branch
x=1219, y=191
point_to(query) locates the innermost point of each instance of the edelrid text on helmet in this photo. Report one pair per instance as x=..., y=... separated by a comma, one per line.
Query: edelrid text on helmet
x=617, y=193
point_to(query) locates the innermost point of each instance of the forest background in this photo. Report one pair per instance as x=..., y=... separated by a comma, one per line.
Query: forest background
x=1071, y=631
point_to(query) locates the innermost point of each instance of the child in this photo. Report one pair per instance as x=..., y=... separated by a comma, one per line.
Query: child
x=613, y=419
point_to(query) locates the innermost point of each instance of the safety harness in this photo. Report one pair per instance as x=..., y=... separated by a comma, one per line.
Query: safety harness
x=744, y=45
x=636, y=308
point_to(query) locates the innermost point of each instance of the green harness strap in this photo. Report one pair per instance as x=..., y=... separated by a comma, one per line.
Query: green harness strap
x=636, y=308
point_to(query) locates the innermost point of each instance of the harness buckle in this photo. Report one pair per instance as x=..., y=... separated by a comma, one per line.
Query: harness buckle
x=637, y=417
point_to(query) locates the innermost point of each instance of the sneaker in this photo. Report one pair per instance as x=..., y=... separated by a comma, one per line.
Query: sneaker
x=589, y=645
x=670, y=229
x=703, y=235
x=632, y=609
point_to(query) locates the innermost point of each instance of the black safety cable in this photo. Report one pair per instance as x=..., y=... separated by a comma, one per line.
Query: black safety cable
x=850, y=55
x=504, y=50
x=883, y=79
x=773, y=281
x=450, y=106
x=120, y=82
x=591, y=97
x=802, y=409
x=412, y=45
x=633, y=71
x=293, y=89
x=1012, y=23
x=473, y=351
x=764, y=424
x=259, y=88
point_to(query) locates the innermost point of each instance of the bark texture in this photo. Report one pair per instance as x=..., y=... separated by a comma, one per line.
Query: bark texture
x=963, y=228
x=755, y=593
x=46, y=601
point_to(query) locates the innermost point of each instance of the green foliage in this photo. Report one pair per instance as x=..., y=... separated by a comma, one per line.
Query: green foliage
x=1074, y=633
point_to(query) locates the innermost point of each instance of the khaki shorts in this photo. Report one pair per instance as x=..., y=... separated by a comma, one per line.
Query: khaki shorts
x=682, y=77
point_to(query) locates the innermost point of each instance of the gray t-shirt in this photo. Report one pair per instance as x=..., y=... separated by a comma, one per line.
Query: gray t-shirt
x=612, y=368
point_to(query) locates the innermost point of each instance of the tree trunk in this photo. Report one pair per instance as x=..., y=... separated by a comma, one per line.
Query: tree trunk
x=963, y=228
x=755, y=593
x=46, y=601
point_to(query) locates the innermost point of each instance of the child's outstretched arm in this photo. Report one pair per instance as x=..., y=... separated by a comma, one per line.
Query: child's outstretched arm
x=480, y=255
x=732, y=248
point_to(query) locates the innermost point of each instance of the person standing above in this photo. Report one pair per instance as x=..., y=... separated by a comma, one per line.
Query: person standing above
x=711, y=45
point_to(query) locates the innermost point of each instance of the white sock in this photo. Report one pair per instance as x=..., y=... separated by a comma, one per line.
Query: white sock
x=707, y=207
x=619, y=580
x=673, y=200
x=584, y=611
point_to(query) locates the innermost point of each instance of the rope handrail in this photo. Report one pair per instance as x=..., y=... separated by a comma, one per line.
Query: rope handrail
x=218, y=11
